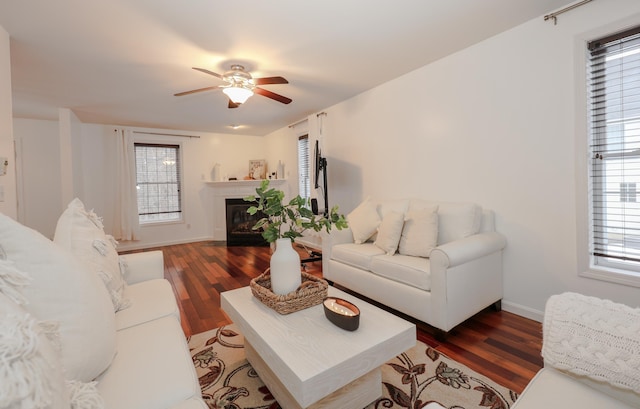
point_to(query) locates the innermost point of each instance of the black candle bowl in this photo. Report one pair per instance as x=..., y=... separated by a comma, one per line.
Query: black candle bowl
x=342, y=313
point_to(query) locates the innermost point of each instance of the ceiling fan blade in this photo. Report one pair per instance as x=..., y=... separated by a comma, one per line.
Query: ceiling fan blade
x=179, y=94
x=233, y=104
x=272, y=95
x=270, y=80
x=207, y=72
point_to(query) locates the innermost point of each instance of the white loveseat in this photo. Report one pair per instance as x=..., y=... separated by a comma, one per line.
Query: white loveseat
x=591, y=351
x=438, y=262
x=75, y=332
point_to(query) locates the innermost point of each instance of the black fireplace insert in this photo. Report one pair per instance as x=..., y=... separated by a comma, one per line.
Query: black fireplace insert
x=240, y=223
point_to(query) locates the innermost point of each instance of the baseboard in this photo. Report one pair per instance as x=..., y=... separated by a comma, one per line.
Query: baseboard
x=522, y=311
x=132, y=245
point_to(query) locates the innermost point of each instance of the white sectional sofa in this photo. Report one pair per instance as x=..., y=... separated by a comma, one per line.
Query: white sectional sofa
x=591, y=351
x=85, y=328
x=438, y=262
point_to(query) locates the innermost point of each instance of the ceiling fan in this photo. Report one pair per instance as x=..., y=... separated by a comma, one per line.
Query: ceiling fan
x=240, y=85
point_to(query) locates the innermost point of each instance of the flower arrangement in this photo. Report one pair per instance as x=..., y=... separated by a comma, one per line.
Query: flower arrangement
x=289, y=220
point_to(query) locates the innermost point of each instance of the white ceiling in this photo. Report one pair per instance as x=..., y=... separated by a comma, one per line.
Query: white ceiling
x=120, y=61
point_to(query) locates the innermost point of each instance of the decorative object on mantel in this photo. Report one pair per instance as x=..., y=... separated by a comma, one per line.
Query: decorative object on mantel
x=297, y=217
x=216, y=175
x=311, y=292
x=280, y=172
x=257, y=169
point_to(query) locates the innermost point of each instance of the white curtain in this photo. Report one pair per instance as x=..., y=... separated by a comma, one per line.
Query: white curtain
x=126, y=223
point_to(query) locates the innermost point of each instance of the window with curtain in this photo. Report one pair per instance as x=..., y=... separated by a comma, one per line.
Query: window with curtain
x=304, y=180
x=158, y=182
x=614, y=128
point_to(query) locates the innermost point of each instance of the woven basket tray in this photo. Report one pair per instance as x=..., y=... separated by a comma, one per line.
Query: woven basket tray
x=311, y=292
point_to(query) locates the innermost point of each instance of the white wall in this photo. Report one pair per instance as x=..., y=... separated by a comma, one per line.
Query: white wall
x=91, y=149
x=493, y=124
x=38, y=147
x=8, y=186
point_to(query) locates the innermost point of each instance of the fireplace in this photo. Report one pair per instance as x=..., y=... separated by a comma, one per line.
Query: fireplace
x=239, y=224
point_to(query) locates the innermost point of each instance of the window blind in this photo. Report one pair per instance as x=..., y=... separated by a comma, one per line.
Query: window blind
x=158, y=182
x=614, y=99
x=304, y=180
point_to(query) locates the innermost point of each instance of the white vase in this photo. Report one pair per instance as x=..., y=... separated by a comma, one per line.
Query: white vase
x=285, y=268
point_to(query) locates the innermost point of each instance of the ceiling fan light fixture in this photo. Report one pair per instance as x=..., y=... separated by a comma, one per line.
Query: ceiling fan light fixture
x=238, y=94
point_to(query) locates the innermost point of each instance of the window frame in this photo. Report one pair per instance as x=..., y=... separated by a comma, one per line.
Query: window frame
x=180, y=182
x=615, y=272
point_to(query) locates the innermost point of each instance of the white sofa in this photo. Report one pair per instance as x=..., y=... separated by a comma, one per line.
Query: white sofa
x=442, y=283
x=71, y=341
x=591, y=351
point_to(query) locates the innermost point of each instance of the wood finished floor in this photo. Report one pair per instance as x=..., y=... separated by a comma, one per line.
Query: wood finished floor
x=500, y=345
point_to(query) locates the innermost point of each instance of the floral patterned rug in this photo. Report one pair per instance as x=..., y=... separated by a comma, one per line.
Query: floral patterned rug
x=412, y=380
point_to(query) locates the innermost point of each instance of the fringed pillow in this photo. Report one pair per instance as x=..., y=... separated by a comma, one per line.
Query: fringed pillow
x=31, y=374
x=60, y=289
x=82, y=232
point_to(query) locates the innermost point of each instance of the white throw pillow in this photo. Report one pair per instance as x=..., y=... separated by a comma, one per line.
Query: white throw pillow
x=457, y=221
x=363, y=221
x=420, y=232
x=62, y=290
x=31, y=374
x=389, y=232
x=82, y=233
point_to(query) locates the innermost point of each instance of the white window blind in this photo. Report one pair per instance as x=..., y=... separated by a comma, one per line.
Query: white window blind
x=614, y=102
x=158, y=182
x=304, y=180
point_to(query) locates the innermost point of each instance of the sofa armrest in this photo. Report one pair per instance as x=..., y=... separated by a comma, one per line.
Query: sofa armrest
x=330, y=239
x=336, y=237
x=143, y=266
x=469, y=248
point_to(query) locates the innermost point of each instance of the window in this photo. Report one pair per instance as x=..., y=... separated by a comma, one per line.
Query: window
x=158, y=182
x=304, y=181
x=614, y=121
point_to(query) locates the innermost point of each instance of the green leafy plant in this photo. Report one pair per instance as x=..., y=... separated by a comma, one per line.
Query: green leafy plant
x=288, y=220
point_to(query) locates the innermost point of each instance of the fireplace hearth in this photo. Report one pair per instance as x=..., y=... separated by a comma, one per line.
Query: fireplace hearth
x=240, y=223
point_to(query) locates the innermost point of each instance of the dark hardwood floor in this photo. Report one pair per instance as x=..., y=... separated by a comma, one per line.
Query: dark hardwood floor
x=500, y=345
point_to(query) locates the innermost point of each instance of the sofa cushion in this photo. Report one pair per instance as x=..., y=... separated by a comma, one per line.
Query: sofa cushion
x=420, y=232
x=32, y=374
x=389, y=232
x=413, y=271
x=82, y=233
x=552, y=389
x=363, y=221
x=150, y=300
x=455, y=220
x=62, y=290
x=356, y=255
x=153, y=368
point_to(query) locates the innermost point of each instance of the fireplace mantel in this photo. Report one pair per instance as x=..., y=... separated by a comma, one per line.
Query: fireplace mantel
x=244, y=183
x=234, y=189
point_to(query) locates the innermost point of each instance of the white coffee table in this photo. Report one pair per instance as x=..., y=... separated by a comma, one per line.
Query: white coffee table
x=307, y=362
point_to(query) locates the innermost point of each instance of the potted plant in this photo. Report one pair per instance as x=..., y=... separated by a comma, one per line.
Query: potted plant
x=283, y=222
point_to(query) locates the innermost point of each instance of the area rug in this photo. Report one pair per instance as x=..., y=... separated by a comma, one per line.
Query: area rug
x=411, y=380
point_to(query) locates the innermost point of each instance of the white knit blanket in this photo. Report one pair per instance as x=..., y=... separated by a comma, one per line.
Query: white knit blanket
x=596, y=338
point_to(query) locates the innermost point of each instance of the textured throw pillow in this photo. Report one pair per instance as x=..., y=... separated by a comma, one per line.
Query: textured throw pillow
x=457, y=221
x=82, y=233
x=31, y=374
x=363, y=221
x=62, y=290
x=420, y=232
x=389, y=232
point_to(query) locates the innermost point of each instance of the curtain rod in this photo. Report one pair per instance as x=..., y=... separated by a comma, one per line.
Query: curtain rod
x=554, y=16
x=293, y=125
x=166, y=134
